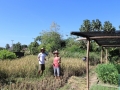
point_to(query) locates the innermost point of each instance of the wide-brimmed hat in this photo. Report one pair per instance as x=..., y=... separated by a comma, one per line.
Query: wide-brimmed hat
x=42, y=49
x=56, y=52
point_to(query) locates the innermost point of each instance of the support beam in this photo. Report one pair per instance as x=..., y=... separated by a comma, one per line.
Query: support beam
x=87, y=64
x=101, y=54
x=81, y=39
x=111, y=45
x=106, y=55
x=104, y=37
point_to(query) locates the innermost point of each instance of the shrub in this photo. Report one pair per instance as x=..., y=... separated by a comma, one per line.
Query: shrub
x=94, y=58
x=107, y=73
x=118, y=67
x=5, y=54
x=69, y=54
x=113, y=59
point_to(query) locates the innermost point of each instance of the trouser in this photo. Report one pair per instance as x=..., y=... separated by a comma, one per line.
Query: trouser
x=56, y=71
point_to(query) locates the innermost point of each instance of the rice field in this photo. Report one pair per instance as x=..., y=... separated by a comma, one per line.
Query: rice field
x=21, y=74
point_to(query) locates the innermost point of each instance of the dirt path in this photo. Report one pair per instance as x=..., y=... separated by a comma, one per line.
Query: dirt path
x=79, y=83
x=93, y=77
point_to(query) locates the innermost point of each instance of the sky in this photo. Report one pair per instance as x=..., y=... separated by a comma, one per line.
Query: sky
x=23, y=20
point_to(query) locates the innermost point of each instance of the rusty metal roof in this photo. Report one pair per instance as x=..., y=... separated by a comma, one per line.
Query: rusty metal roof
x=106, y=39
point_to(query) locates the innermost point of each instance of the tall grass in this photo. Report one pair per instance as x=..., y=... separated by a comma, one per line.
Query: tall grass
x=26, y=68
x=23, y=67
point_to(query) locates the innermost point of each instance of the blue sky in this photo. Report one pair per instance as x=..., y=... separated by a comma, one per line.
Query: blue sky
x=23, y=20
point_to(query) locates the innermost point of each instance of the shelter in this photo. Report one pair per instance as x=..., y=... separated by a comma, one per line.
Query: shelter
x=102, y=38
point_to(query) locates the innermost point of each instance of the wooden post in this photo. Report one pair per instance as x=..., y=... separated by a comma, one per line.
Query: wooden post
x=87, y=64
x=106, y=56
x=101, y=54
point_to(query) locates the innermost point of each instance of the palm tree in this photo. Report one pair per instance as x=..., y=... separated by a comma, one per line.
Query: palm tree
x=107, y=27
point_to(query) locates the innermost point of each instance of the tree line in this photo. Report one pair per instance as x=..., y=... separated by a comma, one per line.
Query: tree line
x=52, y=39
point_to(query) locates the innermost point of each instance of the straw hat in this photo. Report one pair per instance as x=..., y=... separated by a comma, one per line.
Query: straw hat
x=42, y=49
x=56, y=52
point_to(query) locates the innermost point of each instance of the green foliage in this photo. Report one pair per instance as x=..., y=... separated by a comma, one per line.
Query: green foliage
x=96, y=25
x=73, y=48
x=27, y=52
x=17, y=47
x=94, y=46
x=83, y=45
x=113, y=59
x=114, y=51
x=113, y=55
x=100, y=87
x=34, y=50
x=51, y=40
x=33, y=47
x=23, y=47
x=107, y=27
x=7, y=46
x=1, y=48
x=117, y=67
x=81, y=54
x=71, y=41
x=107, y=73
x=86, y=27
x=5, y=54
x=94, y=58
x=38, y=38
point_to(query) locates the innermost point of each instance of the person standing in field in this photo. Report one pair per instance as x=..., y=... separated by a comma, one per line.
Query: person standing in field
x=56, y=64
x=41, y=59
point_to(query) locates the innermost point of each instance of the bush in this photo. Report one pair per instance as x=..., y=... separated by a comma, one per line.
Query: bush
x=5, y=54
x=69, y=54
x=118, y=67
x=34, y=50
x=107, y=73
x=94, y=58
x=113, y=59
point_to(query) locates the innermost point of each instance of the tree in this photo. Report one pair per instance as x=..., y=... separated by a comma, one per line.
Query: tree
x=23, y=47
x=86, y=26
x=119, y=26
x=107, y=27
x=7, y=46
x=33, y=47
x=51, y=39
x=72, y=45
x=96, y=25
x=93, y=25
x=54, y=27
x=38, y=38
x=17, y=47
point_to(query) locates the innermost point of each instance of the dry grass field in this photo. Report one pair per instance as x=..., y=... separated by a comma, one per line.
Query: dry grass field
x=21, y=74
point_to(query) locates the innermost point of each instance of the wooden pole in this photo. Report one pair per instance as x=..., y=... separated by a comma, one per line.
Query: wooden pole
x=101, y=55
x=87, y=64
x=106, y=56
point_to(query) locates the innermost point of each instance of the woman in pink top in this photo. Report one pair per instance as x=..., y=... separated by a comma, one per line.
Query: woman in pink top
x=56, y=64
